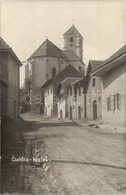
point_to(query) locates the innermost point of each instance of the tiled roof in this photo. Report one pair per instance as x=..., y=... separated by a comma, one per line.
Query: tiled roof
x=120, y=52
x=3, y=45
x=110, y=63
x=71, y=55
x=47, y=49
x=72, y=30
x=69, y=71
x=95, y=64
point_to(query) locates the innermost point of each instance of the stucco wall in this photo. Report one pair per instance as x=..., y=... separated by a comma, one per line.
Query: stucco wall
x=48, y=101
x=13, y=88
x=76, y=104
x=115, y=82
x=94, y=94
x=62, y=105
x=4, y=57
x=42, y=69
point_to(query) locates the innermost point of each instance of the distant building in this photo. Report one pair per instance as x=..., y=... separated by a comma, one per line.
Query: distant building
x=75, y=98
x=9, y=80
x=93, y=92
x=48, y=61
x=113, y=74
x=63, y=97
x=50, y=88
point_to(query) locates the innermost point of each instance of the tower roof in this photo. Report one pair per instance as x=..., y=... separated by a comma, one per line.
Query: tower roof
x=72, y=31
x=47, y=48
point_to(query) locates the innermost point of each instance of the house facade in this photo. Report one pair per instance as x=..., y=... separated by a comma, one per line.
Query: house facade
x=64, y=98
x=10, y=93
x=50, y=88
x=93, y=92
x=76, y=99
x=113, y=74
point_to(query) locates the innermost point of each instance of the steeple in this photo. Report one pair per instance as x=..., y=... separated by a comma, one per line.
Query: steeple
x=74, y=40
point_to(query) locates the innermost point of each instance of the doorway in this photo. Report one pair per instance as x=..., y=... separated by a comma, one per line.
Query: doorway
x=70, y=112
x=94, y=109
x=79, y=112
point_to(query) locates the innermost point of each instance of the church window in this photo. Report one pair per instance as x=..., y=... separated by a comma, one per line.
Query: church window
x=71, y=39
x=53, y=72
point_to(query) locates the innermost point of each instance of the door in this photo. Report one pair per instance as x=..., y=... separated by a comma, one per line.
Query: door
x=79, y=112
x=70, y=112
x=94, y=109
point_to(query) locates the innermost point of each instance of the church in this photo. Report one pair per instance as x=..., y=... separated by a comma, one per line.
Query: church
x=48, y=60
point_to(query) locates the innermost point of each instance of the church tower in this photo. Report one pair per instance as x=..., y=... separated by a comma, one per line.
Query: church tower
x=74, y=40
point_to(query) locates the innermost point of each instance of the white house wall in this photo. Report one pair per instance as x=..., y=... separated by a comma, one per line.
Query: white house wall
x=115, y=82
x=94, y=93
x=48, y=101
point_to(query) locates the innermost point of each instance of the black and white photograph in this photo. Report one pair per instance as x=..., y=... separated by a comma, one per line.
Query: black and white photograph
x=63, y=97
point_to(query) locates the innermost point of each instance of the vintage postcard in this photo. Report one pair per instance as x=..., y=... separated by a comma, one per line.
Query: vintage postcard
x=63, y=97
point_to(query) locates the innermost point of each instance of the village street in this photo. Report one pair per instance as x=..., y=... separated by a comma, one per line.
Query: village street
x=82, y=160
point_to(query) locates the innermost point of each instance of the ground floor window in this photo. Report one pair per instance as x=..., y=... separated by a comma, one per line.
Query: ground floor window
x=114, y=102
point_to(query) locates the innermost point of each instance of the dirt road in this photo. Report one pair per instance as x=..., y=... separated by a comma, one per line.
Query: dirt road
x=81, y=160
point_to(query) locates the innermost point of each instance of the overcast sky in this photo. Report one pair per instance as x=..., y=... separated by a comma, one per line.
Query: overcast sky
x=26, y=23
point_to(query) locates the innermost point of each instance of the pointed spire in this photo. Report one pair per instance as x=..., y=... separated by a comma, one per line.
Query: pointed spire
x=46, y=37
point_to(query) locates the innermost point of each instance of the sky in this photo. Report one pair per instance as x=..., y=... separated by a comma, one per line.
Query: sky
x=25, y=24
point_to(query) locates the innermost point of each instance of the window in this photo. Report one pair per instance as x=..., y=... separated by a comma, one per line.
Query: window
x=93, y=82
x=71, y=45
x=70, y=91
x=47, y=60
x=80, y=69
x=71, y=39
x=108, y=104
x=79, y=91
x=118, y=101
x=53, y=72
x=114, y=102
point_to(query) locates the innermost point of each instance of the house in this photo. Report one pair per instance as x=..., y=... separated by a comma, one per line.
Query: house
x=64, y=98
x=48, y=61
x=75, y=98
x=50, y=101
x=93, y=92
x=9, y=81
x=113, y=77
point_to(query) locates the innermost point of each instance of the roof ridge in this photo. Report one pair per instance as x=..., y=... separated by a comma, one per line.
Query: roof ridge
x=74, y=28
x=4, y=43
